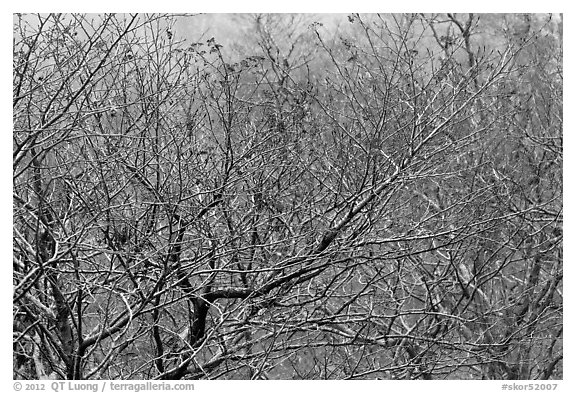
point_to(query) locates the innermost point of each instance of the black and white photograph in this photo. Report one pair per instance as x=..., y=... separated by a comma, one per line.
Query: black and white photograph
x=287, y=196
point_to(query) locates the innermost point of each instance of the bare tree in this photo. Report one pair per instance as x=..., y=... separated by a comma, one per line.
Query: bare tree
x=384, y=202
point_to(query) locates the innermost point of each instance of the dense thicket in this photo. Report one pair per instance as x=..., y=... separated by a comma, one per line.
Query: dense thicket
x=383, y=200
